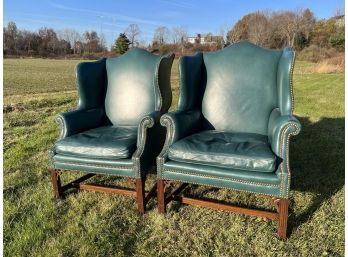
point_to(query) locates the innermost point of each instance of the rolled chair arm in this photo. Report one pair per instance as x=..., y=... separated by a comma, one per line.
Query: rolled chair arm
x=180, y=124
x=280, y=128
x=76, y=121
x=146, y=122
x=149, y=142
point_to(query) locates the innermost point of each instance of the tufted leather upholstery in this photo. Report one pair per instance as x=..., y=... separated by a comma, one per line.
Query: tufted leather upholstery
x=108, y=142
x=233, y=122
x=120, y=103
x=245, y=151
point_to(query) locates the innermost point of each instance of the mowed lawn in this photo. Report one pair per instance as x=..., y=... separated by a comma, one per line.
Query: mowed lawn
x=98, y=224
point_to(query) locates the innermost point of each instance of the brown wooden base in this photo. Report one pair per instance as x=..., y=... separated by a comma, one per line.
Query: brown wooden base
x=139, y=193
x=281, y=216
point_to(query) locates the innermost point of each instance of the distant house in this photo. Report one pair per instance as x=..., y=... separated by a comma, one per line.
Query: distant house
x=191, y=40
x=339, y=20
x=205, y=40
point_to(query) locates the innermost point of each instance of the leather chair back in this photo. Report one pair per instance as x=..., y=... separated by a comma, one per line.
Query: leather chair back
x=243, y=86
x=138, y=83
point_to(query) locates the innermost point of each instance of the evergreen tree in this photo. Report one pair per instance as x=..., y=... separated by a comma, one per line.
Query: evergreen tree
x=121, y=44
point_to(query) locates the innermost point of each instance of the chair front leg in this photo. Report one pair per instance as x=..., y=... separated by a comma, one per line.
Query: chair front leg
x=283, y=206
x=57, y=186
x=140, y=191
x=161, y=198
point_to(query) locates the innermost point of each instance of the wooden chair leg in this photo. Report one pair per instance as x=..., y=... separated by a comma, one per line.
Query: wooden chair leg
x=57, y=186
x=283, y=206
x=140, y=189
x=161, y=199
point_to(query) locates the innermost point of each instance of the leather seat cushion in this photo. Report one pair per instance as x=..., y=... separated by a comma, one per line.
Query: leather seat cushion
x=244, y=151
x=107, y=142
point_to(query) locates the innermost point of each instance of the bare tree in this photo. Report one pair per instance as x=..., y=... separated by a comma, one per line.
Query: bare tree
x=290, y=24
x=258, y=28
x=339, y=11
x=161, y=35
x=132, y=33
x=71, y=36
x=49, y=41
x=253, y=26
x=92, y=42
x=222, y=33
x=10, y=37
x=179, y=35
x=238, y=31
x=307, y=22
x=102, y=43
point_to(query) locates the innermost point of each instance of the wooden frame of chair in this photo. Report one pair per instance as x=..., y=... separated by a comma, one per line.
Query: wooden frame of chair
x=281, y=204
x=139, y=193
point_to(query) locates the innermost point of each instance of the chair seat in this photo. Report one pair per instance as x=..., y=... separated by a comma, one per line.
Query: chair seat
x=107, y=142
x=244, y=151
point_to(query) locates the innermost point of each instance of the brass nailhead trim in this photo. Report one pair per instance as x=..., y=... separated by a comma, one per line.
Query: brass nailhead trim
x=95, y=165
x=146, y=122
x=222, y=178
x=285, y=135
x=101, y=173
x=156, y=82
x=167, y=122
x=291, y=83
x=241, y=190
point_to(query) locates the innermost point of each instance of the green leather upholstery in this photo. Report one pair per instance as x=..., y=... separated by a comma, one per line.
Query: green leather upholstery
x=244, y=151
x=130, y=90
x=91, y=79
x=115, y=128
x=241, y=84
x=120, y=167
x=234, y=121
x=108, y=142
x=243, y=180
x=79, y=120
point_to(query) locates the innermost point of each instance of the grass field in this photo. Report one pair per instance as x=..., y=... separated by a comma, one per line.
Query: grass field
x=96, y=224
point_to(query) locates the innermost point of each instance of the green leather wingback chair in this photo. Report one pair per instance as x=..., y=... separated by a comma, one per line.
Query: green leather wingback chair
x=115, y=129
x=232, y=128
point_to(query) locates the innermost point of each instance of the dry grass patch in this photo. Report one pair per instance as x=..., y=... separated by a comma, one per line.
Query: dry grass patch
x=331, y=65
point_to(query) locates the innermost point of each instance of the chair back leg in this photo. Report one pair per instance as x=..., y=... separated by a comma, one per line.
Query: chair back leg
x=57, y=186
x=140, y=191
x=283, y=206
x=161, y=199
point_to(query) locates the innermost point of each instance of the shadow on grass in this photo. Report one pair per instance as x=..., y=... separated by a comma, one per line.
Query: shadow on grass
x=317, y=163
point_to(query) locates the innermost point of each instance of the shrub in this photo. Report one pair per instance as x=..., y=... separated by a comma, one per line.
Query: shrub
x=310, y=54
x=314, y=53
x=337, y=41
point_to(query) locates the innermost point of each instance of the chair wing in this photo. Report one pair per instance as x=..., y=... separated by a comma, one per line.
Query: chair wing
x=91, y=83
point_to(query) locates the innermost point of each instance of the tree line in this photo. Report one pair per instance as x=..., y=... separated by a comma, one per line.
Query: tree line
x=47, y=42
x=168, y=40
x=298, y=29
x=295, y=29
